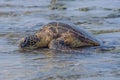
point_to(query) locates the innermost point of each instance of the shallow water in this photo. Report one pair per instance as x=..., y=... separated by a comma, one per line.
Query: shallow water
x=19, y=18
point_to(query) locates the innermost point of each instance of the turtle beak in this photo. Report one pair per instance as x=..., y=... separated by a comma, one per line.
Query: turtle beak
x=22, y=43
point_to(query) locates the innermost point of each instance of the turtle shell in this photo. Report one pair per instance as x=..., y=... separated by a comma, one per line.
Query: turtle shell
x=79, y=31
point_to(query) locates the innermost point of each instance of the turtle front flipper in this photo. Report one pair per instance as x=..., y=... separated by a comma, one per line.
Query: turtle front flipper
x=58, y=45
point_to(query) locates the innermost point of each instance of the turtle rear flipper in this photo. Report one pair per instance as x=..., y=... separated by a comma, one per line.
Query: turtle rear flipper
x=58, y=45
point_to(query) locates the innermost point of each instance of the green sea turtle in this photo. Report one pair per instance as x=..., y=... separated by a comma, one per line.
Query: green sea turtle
x=59, y=35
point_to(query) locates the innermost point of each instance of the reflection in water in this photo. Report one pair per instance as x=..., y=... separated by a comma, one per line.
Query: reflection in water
x=53, y=2
x=20, y=18
x=57, y=4
x=44, y=65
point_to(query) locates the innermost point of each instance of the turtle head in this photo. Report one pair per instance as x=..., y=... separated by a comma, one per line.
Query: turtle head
x=29, y=42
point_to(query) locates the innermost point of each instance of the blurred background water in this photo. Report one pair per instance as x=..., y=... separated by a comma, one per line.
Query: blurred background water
x=19, y=18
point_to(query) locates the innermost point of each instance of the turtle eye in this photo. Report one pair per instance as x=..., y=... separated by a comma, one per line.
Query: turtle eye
x=26, y=42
